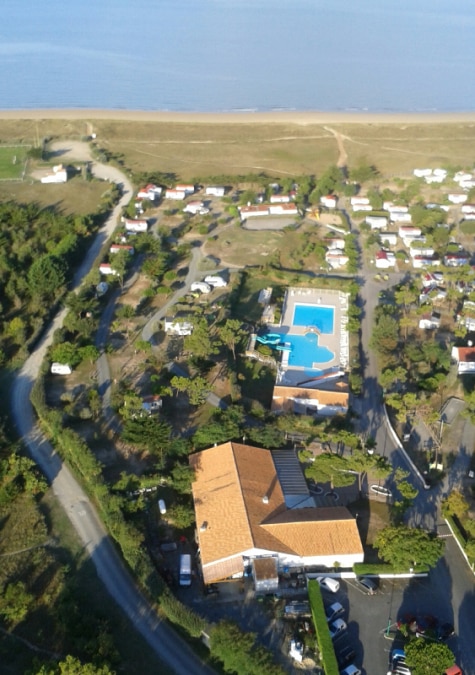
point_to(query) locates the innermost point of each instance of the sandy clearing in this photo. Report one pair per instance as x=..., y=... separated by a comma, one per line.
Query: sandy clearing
x=301, y=118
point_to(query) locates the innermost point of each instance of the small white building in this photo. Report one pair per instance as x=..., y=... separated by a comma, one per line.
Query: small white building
x=151, y=192
x=421, y=262
x=335, y=243
x=362, y=207
x=385, y=259
x=106, y=269
x=409, y=231
x=196, y=207
x=283, y=210
x=179, y=327
x=135, y=224
x=215, y=191
x=388, y=238
x=59, y=175
x=430, y=321
x=200, y=286
x=177, y=195
x=396, y=208
x=216, y=281
x=457, y=197
x=359, y=201
x=464, y=357
x=422, y=173
x=336, y=258
x=186, y=188
x=467, y=318
x=400, y=217
x=432, y=279
x=152, y=404
x=461, y=176
x=377, y=222
x=116, y=248
x=468, y=208
x=253, y=211
x=424, y=251
x=329, y=201
x=279, y=199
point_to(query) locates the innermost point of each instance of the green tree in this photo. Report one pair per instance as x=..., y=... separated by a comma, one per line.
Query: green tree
x=15, y=602
x=47, y=276
x=66, y=352
x=455, y=504
x=231, y=333
x=148, y=433
x=119, y=263
x=268, y=435
x=329, y=468
x=428, y=658
x=200, y=342
x=182, y=477
x=182, y=515
x=73, y=666
x=385, y=337
x=406, y=547
x=16, y=329
x=197, y=388
x=89, y=353
x=363, y=172
x=363, y=463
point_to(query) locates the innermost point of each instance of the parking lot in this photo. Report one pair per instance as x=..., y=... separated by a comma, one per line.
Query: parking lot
x=370, y=616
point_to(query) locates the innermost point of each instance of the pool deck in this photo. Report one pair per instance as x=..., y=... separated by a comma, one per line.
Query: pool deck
x=337, y=342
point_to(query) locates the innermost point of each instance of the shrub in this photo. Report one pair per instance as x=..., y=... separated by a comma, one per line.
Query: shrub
x=325, y=643
x=177, y=613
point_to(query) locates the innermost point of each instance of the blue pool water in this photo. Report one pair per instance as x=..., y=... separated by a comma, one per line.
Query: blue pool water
x=305, y=351
x=314, y=315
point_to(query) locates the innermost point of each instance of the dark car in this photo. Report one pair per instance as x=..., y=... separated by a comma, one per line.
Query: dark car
x=345, y=655
x=445, y=631
x=367, y=585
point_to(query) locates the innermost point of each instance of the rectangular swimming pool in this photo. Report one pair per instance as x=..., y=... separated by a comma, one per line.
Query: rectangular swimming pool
x=318, y=316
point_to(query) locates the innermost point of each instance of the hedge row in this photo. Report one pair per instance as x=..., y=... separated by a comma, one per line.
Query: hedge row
x=325, y=643
x=459, y=534
x=360, y=569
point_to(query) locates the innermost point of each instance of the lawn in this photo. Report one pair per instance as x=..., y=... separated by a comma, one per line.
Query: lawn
x=12, y=161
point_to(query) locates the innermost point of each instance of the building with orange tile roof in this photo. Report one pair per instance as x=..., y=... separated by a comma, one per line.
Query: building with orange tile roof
x=242, y=515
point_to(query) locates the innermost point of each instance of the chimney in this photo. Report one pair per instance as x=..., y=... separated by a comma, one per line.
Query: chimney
x=204, y=526
x=265, y=499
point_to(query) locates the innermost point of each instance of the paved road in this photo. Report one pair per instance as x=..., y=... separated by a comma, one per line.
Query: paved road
x=151, y=326
x=163, y=640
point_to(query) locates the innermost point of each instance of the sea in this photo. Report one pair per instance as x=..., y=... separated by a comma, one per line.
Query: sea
x=238, y=55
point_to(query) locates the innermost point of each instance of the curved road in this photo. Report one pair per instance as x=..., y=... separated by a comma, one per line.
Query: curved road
x=171, y=649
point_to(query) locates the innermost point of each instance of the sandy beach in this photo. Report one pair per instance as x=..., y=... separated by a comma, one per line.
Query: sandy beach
x=302, y=118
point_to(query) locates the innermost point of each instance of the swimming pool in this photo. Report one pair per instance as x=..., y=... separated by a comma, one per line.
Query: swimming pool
x=305, y=351
x=314, y=315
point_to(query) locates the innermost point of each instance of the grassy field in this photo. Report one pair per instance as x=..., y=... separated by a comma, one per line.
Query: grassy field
x=76, y=197
x=12, y=161
x=202, y=149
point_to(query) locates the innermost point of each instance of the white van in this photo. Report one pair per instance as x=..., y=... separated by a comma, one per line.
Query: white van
x=185, y=570
x=61, y=369
x=329, y=584
x=162, y=506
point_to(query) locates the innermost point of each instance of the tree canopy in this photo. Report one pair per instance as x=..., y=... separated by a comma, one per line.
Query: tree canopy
x=406, y=547
x=428, y=658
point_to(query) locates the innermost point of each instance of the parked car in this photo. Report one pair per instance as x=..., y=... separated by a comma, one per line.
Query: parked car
x=445, y=631
x=345, y=655
x=333, y=611
x=367, y=585
x=337, y=628
x=329, y=584
x=350, y=670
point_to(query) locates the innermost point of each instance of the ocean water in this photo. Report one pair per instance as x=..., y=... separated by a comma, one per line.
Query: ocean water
x=215, y=55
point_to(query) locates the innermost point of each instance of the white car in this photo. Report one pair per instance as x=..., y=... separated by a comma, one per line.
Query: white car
x=329, y=584
x=337, y=628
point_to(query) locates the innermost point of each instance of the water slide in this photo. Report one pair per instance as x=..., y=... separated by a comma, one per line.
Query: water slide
x=283, y=348
x=269, y=339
